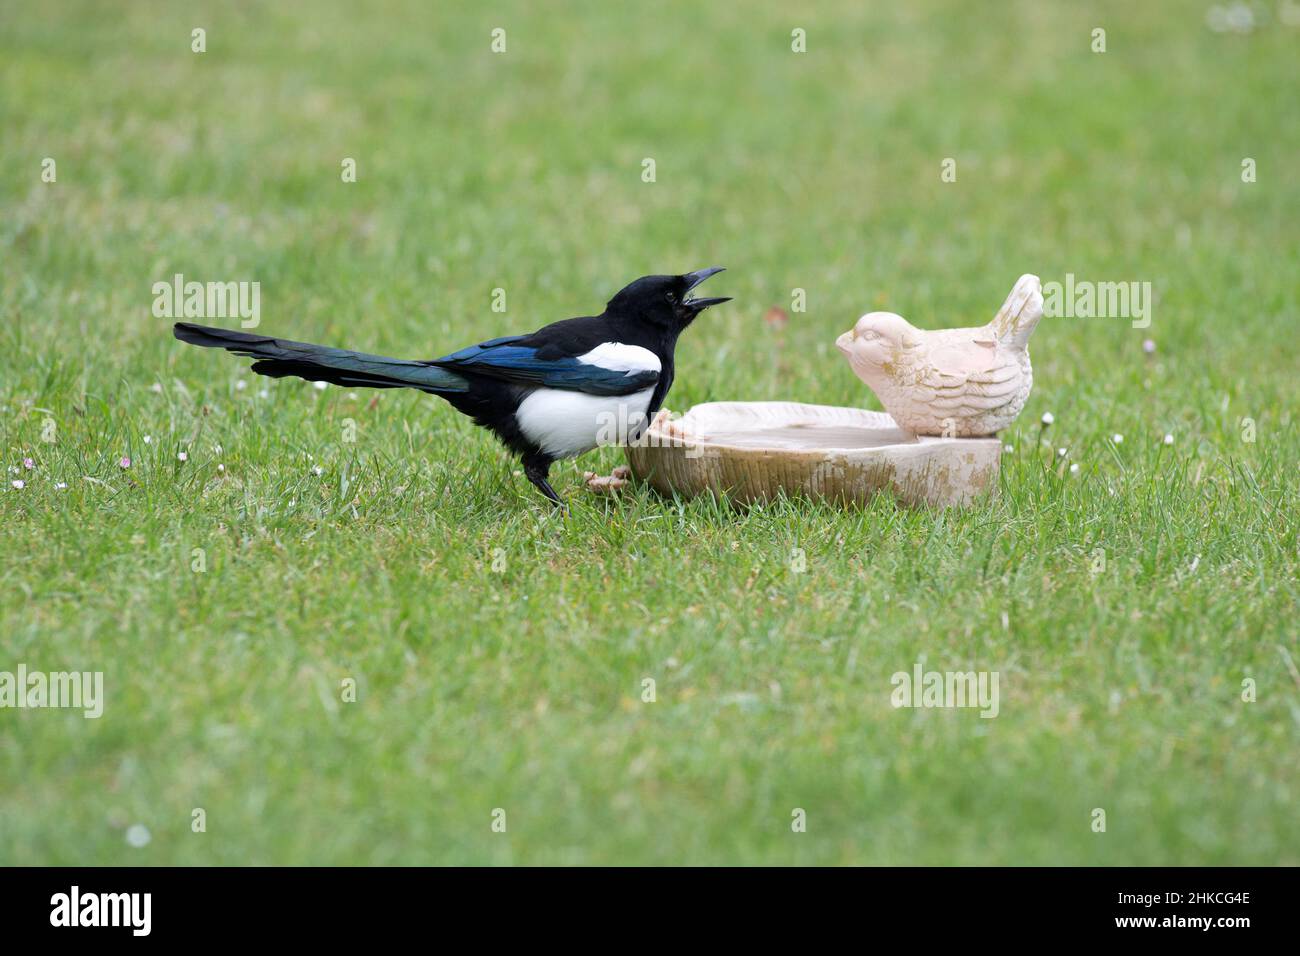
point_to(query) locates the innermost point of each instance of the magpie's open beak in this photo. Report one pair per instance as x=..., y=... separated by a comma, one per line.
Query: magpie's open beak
x=695, y=278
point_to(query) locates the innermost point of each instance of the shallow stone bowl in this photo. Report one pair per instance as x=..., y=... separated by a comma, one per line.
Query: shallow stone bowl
x=754, y=451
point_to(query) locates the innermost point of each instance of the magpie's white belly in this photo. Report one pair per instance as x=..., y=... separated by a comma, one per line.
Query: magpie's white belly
x=565, y=423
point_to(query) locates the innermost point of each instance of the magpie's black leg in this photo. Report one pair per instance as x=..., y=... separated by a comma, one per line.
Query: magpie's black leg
x=535, y=470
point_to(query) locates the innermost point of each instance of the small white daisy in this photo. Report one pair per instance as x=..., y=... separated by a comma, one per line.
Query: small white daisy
x=1048, y=418
x=1074, y=468
x=156, y=388
x=221, y=467
x=317, y=470
x=216, y=449
x=148, y=439
x=1008, y=448
x=1169, y=439
x=1149, y=346
x=19, y=484
x=263, y=393
x=240, y=385
x=182, y=456
x=1117, y=438
x=1062, y=452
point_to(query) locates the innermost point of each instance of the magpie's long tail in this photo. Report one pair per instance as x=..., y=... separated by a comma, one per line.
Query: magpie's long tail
x=318, y=363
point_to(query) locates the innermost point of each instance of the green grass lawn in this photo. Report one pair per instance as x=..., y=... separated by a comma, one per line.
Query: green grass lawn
x=499, y=649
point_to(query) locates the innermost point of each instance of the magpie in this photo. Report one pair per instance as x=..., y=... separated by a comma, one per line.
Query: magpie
x=548, y=395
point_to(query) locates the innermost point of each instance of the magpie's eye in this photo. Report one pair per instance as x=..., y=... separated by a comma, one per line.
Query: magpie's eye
x=672, y=298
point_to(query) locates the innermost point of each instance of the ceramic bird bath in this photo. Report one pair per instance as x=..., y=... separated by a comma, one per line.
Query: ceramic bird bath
x=946, y=393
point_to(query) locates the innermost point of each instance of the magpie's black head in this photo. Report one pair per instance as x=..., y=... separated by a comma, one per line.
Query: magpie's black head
x=664, y=300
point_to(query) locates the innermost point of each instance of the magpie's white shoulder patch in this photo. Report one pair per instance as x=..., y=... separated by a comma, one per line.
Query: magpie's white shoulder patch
x=618, y=357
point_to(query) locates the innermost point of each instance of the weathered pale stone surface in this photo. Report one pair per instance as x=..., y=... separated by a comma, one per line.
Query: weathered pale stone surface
x=950, y=382
x=753, y=451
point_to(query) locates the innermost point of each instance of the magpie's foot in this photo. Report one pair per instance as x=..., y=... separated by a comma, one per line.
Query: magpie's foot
x=536, y=472
x=606, y=484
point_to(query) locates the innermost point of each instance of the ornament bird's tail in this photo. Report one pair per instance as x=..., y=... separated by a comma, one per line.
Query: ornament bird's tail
x=1019, y=315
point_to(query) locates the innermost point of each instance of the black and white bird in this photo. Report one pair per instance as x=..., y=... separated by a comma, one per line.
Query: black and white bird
x=551, y=394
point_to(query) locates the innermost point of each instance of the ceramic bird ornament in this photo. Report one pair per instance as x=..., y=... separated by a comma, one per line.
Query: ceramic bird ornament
x=956, y=383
